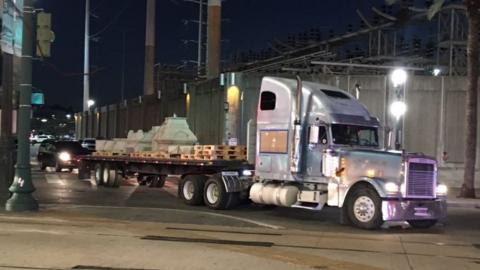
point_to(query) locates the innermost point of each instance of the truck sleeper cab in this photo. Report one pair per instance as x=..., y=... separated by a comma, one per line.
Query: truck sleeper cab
x=317, y=145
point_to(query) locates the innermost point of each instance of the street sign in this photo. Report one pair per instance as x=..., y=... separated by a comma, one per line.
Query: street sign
x=37, y=99
x=12, y=26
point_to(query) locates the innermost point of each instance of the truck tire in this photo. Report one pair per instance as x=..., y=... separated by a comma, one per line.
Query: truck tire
x=191, y=189
x=43, y=166
x=365, y=208
x=422, y=224
x=156, y=181
x=117, y=179
x=58, y=168
x=83, y=172
x=98, y=174
x=108, y=175
x=216, y=197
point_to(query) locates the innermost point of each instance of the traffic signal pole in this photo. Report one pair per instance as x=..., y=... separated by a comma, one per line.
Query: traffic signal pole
x=22, y=187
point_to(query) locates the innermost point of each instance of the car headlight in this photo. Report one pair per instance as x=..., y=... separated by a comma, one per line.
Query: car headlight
x=441, y=190
x=391, y=188
x=247, y=173
x=64, y=156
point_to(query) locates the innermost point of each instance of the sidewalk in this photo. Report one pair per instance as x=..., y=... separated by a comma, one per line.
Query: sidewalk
x=454, y=201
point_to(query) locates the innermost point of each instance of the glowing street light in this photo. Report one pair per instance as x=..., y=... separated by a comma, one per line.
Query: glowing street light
x=436, y=71
x=399, y=77
x=44, y=120
x=90, y=103
x=398, y=109
x=68, y=116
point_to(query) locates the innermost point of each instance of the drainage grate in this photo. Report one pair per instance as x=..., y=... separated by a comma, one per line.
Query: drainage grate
x=208, y=241
x=476, y=245
x=221, y=231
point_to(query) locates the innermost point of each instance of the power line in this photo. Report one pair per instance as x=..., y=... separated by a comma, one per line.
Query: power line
x=114, y=19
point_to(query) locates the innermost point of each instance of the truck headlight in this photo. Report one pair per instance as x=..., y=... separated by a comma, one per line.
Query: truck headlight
x=64, y=156
x=391, y=188
x=247, y=173
x=441, y=190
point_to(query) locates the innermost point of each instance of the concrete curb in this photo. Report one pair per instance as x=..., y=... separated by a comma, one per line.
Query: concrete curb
x=461, y=204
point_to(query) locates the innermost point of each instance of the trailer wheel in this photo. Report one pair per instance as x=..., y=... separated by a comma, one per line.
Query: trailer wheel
x=191, y=189
x=117, y=179
x=109, y=175
x=365, y=208
x=156, y=181
x=83, y=171
x=216, y=197
x=99, y=174
x=422, y=224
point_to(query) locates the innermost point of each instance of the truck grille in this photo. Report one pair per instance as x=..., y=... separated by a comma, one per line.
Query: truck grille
x=421, y=180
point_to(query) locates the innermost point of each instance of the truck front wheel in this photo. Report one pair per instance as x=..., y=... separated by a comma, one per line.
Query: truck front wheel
x=191, y=189
x=364, y=208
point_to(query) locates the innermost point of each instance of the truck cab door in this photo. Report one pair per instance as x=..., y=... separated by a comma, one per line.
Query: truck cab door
x=317, y=142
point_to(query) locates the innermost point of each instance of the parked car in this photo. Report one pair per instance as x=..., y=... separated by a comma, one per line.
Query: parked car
x=60, y=154
x=40, y=138
x=88, y=143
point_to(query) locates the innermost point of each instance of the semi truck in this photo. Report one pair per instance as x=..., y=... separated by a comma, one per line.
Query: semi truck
x=316, y=146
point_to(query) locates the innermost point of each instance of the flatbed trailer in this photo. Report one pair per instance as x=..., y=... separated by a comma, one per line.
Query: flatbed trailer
x=225, y=176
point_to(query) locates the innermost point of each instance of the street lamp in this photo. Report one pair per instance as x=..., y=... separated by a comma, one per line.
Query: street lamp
x=398, y=106
x=398, y=109
x=399, y=77
x=90, y=103
x=69, y=116
x=436, y=71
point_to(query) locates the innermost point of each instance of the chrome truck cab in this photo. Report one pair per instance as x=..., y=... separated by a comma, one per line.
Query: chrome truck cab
x=317, y=145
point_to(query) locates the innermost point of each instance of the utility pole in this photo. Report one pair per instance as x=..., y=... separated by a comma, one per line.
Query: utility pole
x=214, y=38
x=86, y=64
x=22, y=187
x=7, y=147
x=10, y=46
x=148, y=87
x=122, y=87
x=200, y=33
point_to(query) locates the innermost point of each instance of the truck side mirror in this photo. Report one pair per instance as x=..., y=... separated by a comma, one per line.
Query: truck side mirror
x=317, y=135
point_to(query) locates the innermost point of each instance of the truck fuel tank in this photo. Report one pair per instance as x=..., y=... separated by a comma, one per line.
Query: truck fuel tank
x=274, y=194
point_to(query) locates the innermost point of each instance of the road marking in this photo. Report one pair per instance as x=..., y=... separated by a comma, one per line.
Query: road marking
x=246, y=220
x=54, y=179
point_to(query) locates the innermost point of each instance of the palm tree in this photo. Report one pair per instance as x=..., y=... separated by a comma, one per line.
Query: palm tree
x=473, y=15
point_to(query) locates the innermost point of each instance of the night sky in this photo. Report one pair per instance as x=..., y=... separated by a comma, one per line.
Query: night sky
x=250, y=24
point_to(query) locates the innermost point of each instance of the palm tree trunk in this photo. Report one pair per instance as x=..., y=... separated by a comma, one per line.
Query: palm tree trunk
x=468, y=187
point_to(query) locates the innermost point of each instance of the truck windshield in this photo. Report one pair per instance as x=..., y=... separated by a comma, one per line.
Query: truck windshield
x=354, y=135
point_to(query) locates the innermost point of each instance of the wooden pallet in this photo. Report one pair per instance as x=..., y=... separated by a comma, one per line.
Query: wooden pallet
x=227, y=152
x=224, y=157
x=187, y=156
x=224, y=148
x=109, y=154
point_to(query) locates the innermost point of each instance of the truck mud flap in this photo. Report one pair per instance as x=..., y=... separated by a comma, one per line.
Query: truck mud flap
x=232, y=182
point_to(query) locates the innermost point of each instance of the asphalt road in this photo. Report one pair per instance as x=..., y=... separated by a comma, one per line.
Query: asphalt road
x=64, y=188
x=82, y=219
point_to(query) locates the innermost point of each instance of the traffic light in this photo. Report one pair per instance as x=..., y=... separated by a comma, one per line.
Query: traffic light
x=45, y=35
